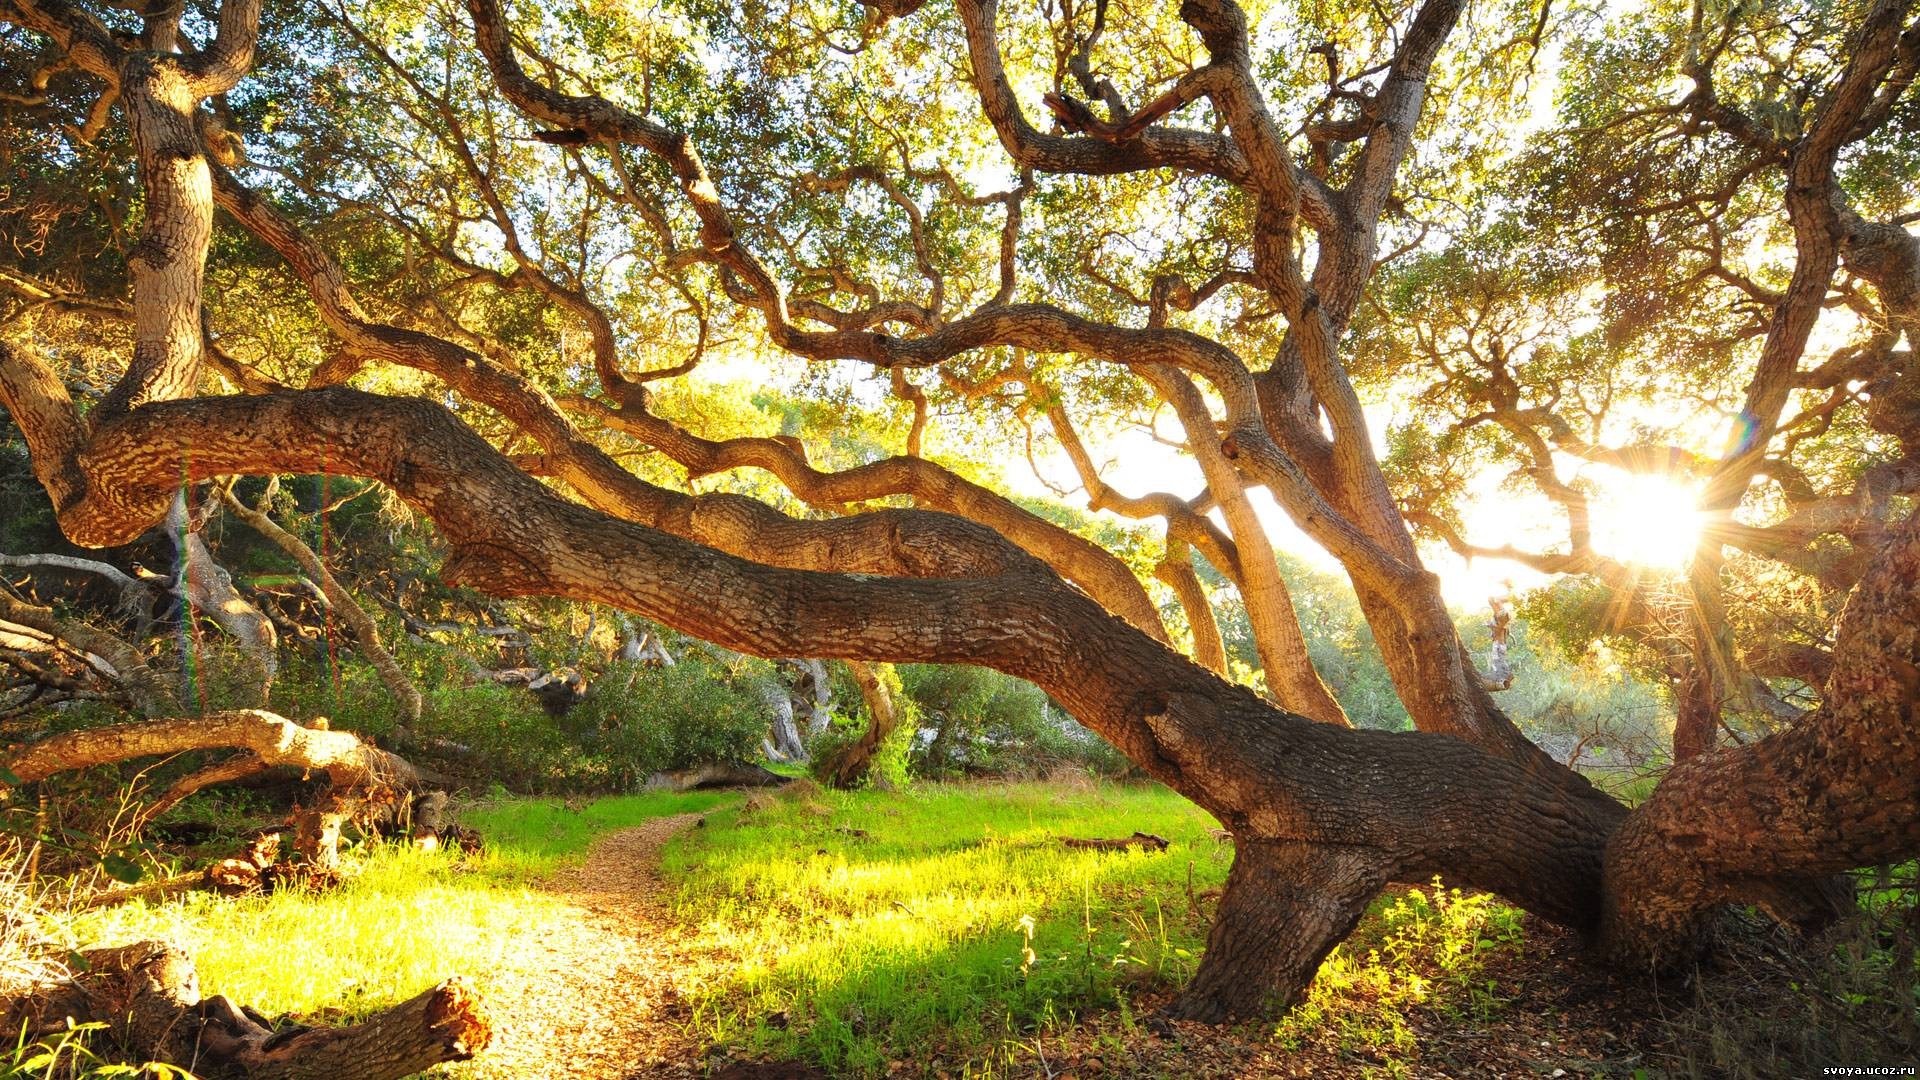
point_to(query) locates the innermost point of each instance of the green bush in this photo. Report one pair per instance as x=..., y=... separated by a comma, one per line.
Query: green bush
x=502, y=733
x=636, y=721
x=979, y=721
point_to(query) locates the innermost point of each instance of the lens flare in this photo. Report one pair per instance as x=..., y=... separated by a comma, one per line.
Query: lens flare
x=1650, y=521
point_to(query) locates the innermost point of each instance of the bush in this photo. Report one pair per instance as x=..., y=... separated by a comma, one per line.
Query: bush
x=979, y=721
x=505, y=736
x=636, y=721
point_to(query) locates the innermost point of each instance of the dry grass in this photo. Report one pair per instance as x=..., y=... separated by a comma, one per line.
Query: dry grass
x=27, y=959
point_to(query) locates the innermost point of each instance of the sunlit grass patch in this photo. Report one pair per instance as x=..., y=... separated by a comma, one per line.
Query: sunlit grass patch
x=1417, y=951
x=854, y=930
x=404, y=919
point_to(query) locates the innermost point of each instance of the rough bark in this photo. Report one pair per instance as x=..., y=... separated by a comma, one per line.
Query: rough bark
x=1833, y=792
x=1285, y=907
x=148, y=995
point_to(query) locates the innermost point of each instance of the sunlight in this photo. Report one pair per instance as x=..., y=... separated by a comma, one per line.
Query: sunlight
x=1651, y=521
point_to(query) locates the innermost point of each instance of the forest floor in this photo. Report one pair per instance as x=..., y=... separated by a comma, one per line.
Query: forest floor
x=594, y=995
x=941, y=932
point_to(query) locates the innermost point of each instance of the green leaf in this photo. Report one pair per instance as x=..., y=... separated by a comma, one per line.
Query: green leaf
x=122, y=869
x=8, y=778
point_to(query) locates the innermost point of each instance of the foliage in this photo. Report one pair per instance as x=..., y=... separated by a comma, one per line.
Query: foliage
x=980, y=722
x=636, y=721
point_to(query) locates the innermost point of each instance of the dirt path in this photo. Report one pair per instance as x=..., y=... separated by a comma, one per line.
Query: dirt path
x=593, y=993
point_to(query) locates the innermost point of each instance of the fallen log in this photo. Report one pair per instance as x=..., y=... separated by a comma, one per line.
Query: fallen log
x=148, y=997
x=727, y=775
x=1143, y=841
x=259, y=870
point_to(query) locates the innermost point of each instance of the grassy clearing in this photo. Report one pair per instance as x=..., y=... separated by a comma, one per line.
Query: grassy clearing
x=954, y=923
x=943, y=929
x=406, y=919
x=957, y=930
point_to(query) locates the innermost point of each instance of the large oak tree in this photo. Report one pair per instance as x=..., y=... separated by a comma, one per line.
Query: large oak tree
x=546, y=217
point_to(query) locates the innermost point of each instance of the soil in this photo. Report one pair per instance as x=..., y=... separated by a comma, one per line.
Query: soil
x=596, y=992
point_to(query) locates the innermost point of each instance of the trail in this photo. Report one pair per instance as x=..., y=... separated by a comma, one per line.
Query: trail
x=594, y=993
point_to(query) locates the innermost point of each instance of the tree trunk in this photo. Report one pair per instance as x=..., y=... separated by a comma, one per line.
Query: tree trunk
x=148, y=995
x=1833, y=792
x=1696, y=717
x=208, y=589
x=878, y=683
x=1285, y=907
x=1292, y=679
x=785, y=735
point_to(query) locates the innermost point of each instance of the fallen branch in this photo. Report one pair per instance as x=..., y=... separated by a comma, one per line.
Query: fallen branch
x=147, y=996
x=700, y=776
x=363, y=777
x=1143, y=841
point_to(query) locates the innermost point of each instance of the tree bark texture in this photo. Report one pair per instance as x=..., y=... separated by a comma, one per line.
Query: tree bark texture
x=148, y=995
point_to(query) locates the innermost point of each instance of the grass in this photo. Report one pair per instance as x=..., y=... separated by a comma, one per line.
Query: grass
x=856, y=929
x=944, y=927
x=957, y=929
x=403, y=922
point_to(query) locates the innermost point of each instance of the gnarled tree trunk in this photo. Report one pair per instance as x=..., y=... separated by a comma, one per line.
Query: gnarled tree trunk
x=854, y=761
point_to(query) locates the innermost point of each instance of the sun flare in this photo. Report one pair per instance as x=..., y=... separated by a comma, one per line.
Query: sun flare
x=1651, y=521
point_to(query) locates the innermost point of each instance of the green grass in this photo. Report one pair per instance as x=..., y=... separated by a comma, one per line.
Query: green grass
x=944, y=926
x=911, y=941
x=405, y=920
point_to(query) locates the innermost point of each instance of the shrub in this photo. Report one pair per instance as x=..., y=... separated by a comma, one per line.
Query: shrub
x=636, y=721
x=502, y=734
x=980, y=721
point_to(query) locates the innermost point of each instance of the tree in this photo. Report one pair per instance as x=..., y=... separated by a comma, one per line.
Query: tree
x=512, y=245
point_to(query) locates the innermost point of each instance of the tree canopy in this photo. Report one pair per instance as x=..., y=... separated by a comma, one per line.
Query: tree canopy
x=1624, y=295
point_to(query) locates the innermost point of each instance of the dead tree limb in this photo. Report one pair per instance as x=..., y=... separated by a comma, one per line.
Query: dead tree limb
x=1143, y=841
x=147, y=994
x=363, y=777
x=359, y=623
